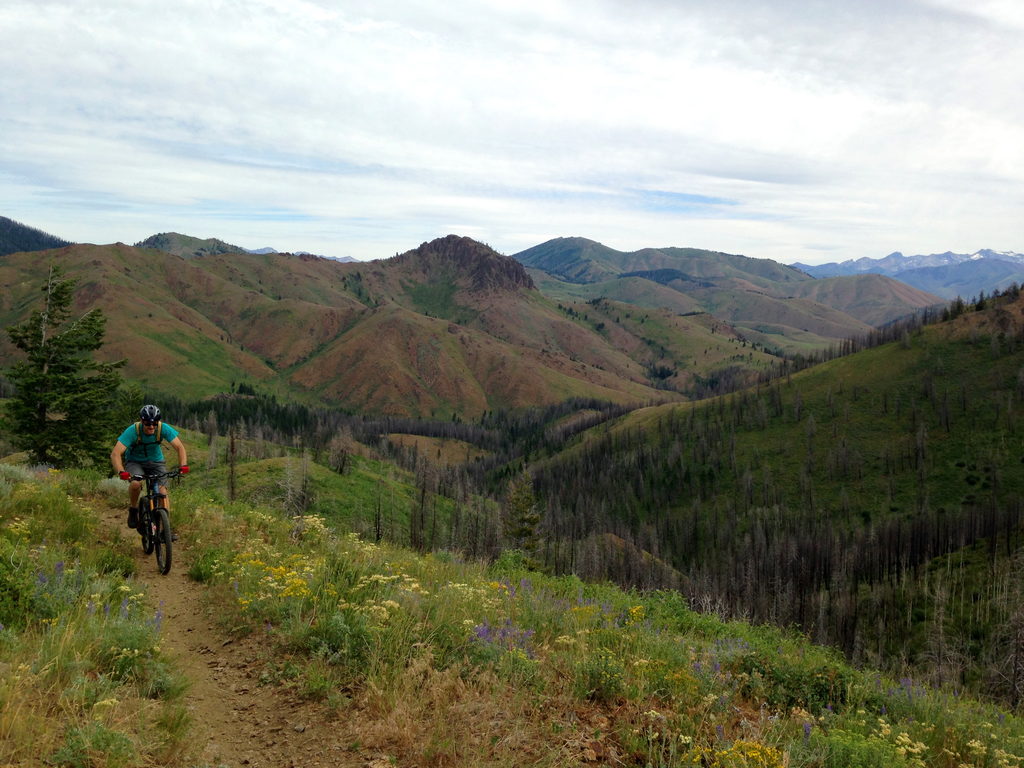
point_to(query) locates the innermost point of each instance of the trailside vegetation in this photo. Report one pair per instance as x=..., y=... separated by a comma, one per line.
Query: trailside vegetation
x=466, y=662
x=83, y=680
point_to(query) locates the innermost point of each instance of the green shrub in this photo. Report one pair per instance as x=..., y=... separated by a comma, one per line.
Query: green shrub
x=204, y=566
x=786, y=681
x=83, y=743
x=845, y=749
x=112, y=562
x=512, y=562
x=15, y=590
x=339, y=638
x=600, y=676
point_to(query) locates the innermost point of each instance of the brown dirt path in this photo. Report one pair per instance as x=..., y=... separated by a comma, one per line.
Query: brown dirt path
x=237, y=722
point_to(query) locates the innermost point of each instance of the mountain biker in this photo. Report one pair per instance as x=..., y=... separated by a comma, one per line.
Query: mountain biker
x=138, y=452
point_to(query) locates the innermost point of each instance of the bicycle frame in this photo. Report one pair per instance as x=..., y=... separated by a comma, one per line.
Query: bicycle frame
x=154, y=525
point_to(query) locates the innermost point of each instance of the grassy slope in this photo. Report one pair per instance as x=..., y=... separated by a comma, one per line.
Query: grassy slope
x=467, y=664
x=872, y=299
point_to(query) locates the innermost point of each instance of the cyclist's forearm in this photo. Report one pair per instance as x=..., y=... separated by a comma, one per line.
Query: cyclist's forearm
x=116, y=458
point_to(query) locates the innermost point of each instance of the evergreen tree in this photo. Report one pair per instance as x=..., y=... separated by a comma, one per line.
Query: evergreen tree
x=521, y=514
x=65, y=408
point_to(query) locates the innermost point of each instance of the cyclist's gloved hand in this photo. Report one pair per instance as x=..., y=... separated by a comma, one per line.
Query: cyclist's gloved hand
x=184, y=469
x=124, y=475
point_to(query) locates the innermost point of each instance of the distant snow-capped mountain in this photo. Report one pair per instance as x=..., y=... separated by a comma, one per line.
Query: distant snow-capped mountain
x=896, y=262
x=945, y=274
x=263, y=251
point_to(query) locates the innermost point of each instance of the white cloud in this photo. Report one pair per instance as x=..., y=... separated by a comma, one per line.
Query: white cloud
x=834, y=130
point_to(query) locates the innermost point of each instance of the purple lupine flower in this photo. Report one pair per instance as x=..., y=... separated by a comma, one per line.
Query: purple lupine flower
x=807, y=732
x=721, y=732
x=482, y=632
x=59, y=568
x=507, y=636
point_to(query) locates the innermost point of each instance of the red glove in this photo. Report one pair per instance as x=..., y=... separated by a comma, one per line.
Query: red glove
x=124, y=475
x=183, y=469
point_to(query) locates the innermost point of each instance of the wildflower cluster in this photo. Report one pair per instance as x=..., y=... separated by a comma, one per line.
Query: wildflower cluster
x=310, y=528
x=506, y=636
x=633, y=615
x=282, y=583
x=739, y=754
x=18, y=528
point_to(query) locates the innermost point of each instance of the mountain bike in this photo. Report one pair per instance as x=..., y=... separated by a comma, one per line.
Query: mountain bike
x=154, y=524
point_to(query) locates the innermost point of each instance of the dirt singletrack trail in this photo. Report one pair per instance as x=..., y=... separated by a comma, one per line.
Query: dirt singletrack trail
x=237, y=722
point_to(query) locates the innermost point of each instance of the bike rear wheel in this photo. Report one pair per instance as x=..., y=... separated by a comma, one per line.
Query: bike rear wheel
x=162, y=539
x=145, y=526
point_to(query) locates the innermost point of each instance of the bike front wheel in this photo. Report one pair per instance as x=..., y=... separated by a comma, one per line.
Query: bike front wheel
x=162, y=539
x=145, y=527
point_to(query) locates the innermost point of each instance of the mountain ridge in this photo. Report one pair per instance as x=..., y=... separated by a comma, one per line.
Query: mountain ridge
x=317, y=328
x=300, y=324
x=773, y=304
x=945, y=274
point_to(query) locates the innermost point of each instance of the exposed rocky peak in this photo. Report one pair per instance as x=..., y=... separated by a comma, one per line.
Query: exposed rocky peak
x=483, y=268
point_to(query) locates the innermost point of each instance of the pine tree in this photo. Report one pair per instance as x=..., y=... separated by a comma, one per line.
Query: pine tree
x=65, y=408
x=521, y=515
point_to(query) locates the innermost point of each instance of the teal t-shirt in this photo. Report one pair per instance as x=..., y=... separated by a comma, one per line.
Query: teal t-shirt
x=149, y=449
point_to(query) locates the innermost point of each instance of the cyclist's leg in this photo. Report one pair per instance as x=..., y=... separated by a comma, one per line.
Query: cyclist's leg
x=161, y=487
x=134, y=492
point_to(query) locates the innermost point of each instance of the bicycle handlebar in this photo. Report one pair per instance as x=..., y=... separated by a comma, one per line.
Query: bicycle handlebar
x=159, y=475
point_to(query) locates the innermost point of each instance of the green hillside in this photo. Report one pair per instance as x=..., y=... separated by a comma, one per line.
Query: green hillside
x=874, y=500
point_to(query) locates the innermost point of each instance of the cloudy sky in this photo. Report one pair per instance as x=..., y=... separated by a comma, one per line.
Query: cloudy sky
x=810, y=130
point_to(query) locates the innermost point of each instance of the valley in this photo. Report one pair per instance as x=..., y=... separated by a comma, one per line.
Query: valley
x=839, y=455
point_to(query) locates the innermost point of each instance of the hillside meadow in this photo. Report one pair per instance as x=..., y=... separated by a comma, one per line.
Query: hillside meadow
x=431, y=659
